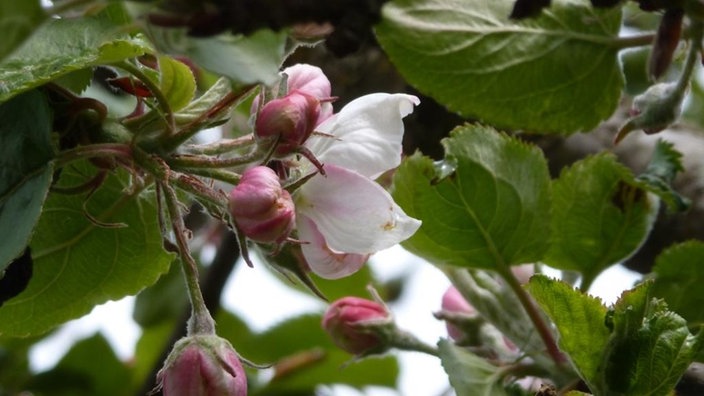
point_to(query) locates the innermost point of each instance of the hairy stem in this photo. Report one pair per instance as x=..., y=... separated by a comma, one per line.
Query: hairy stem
x=213, y=285
x=93, y=151
x=200, y=322
x=222, y=146
x=634, y=41
x=534, y=314
x=170, y=142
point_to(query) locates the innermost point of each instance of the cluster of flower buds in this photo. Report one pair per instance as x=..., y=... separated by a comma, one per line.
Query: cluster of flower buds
x=202, y=365
x=330, y=161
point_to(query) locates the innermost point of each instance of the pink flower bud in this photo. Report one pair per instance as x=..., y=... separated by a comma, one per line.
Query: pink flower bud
x=453, y=302
x=262, y=209
x=290, y=119
x=202, y=365
x=523, y=272
x=350, y=322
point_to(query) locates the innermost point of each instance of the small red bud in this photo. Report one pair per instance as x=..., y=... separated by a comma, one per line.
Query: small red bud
x=454, y=302
x=202, y=365
x=261, y=208
x=348, y=321
x=291, y=119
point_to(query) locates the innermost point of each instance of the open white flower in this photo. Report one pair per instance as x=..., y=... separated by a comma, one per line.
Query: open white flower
x=344, y=215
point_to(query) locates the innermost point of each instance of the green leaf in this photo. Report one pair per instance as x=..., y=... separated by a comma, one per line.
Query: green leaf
x=18, y=19
x=255, y=58
x=163, y=301
x=556, y=73
x=470, y=375
x=79, y=264
x=65, y=45
x=25, y=170
x=195, y=109
x=679, y=275
x=600, y=217
x=491, y=211
x=321, y=362
x=89, y=368
x=650, y=347
x=579, y=319
x=176, y=82
x=660, y=173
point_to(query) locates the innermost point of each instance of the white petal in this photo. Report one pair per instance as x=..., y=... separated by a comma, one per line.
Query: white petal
x=321, y=260
x=354, y=214
x=367, y=134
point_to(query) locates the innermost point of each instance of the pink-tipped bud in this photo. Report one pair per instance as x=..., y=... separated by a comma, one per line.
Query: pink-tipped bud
x=351, y=321
x=523, y=272
x=290, y=119
x=202, y=365
x=454, y=303
x=261, y=208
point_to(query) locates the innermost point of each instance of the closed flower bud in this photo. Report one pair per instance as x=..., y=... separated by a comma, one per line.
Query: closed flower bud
x=454, y=303
x=654, y=110
x=290, y=119
x=261, y=208
x=353, y=322
x=202, y=365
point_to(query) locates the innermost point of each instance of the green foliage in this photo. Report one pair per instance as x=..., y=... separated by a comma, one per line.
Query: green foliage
x=162, y=301
x=470, y=375
x=557, y=73
x=304, y=358
x=18, y=20
x=650, y=347
x=255, y=58
x=89, y=368
x=638, y=347
x=580, y=321
x=679, y=273
x=25, y=170
x=63, y=45
x=80, y=263
x=176, y=82
x=489, y=209
x=600, y=216
x=665, y=164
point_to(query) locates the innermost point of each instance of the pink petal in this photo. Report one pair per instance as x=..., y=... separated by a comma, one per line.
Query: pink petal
x=309, y=80
x=353, y=213
x=321, y=260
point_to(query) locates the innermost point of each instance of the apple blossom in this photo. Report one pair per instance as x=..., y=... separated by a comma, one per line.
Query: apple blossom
x=202, y=365
x=350, y=322
x=342, y=215
x=345, y=213
x=261, y=208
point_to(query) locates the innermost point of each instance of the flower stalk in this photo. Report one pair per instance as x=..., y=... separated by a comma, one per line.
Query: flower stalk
x=201, y=322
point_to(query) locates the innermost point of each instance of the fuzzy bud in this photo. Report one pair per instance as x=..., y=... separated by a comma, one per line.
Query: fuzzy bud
x=202, y=365
x=261, y=208
x=454, y=303
x=351, y=322
x=290, y=119
x=654, y=110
